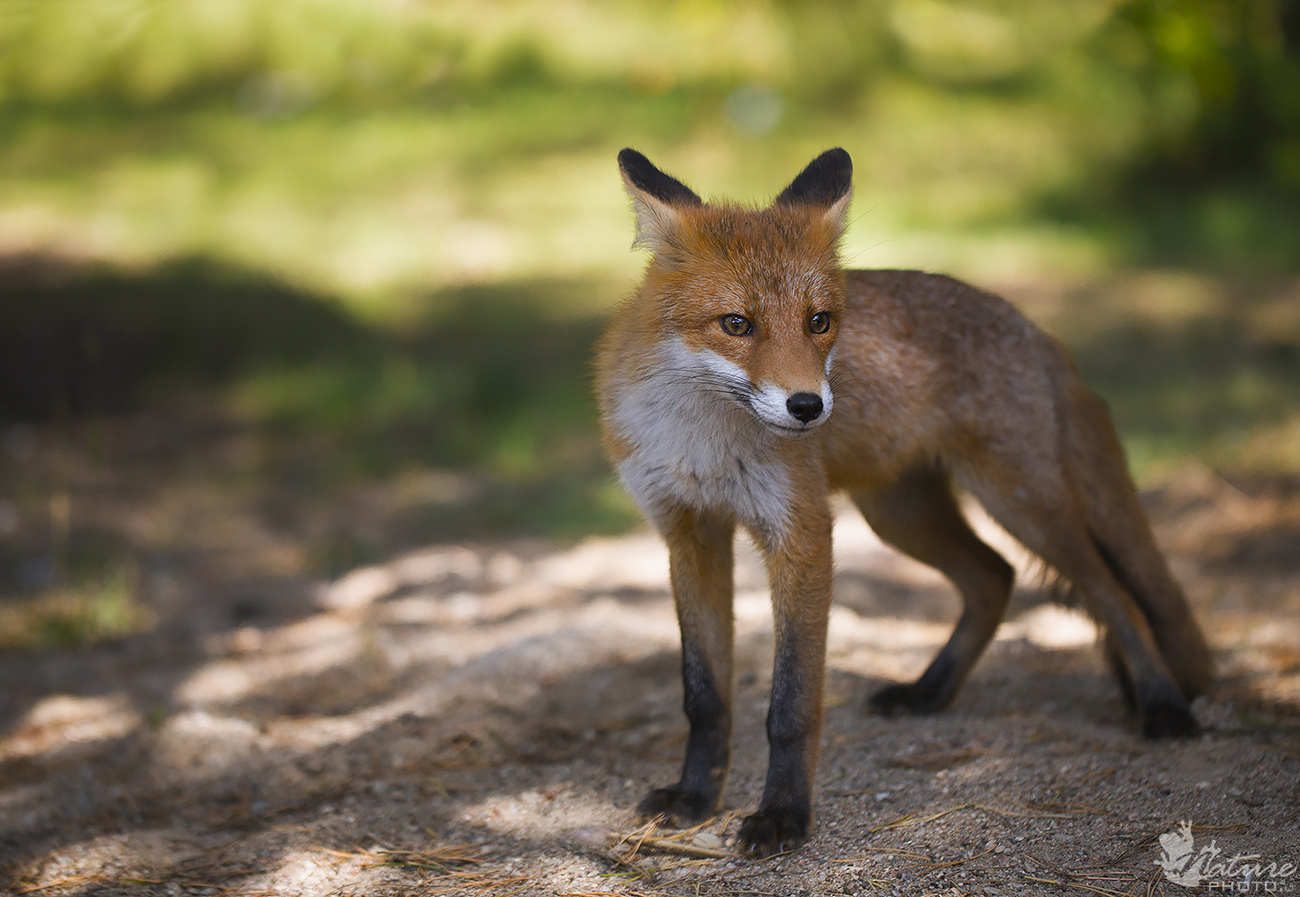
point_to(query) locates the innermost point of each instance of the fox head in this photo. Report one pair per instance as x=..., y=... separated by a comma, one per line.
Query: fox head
x=753, y=297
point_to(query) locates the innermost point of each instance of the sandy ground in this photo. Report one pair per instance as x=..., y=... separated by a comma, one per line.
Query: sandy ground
x=481, y=719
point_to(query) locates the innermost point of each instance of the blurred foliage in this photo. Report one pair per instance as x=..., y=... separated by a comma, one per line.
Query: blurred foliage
x=382, y=233
x=961, y=112
x=1220, y=79
x=83, y=612
x=342, y=139
x=1215, y=176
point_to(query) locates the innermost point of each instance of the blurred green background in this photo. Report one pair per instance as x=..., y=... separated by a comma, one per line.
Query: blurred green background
x=341, y=262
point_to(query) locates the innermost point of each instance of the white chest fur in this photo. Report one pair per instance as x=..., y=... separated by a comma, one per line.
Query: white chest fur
x=694, y=444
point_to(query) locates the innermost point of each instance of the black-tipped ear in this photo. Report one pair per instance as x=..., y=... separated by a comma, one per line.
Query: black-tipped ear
x=826, y=181
x=657, y=200
x=641, y=173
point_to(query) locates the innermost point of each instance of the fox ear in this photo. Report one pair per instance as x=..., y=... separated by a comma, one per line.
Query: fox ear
x=656, y=199
x=826, y=182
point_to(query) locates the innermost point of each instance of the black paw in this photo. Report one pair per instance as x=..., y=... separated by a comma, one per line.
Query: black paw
x=1167, y=719
x=768, y=832
x=677, y=807
x=902, y=700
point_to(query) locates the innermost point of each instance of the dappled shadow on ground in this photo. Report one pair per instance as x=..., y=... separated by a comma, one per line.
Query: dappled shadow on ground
x=199, y=429
x=345, y=629
x=191, y=451
x=510, y=696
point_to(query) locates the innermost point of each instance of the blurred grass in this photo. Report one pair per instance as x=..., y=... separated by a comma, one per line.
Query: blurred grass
x=369, y=149
x=381, y=236
x=89, y=610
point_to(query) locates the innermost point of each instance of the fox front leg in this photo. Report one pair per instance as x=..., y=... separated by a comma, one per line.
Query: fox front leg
x=799, y=567
x=700, y=568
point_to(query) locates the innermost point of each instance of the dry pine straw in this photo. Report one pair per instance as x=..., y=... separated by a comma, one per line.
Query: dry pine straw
x=457, y=869
x=451, y=870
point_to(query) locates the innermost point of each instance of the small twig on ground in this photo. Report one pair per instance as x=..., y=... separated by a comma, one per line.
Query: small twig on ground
x=911, y=818
x=1070, y=884
x=932, y=865
x=62, y=883
x=1046, y=864
x=677, y=844
x=889, y=851
x=668, y=845
x=433, y=859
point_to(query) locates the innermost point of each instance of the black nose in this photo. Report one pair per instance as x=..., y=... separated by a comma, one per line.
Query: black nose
x=805, y=406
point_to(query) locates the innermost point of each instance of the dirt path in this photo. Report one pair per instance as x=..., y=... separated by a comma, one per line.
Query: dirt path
x=479, y=720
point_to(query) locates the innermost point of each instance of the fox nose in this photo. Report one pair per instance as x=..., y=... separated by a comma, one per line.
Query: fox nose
x=805, y=406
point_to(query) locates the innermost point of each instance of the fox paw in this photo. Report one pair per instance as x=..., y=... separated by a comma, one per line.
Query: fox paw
x=1166, y=719
x=773, y=831
x=676, y=806
x=910, y=698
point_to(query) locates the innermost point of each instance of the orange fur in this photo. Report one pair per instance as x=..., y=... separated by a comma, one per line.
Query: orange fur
x=916, y=383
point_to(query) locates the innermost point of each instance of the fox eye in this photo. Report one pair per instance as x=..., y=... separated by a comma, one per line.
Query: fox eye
x=820, y=322
x=736, y=325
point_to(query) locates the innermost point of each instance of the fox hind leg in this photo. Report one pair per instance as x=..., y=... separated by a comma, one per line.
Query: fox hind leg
x=1121, y=533
x=1045, y=516
x=918, y=514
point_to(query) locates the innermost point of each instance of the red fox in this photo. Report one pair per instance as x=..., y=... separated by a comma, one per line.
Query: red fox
x=751, y=376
